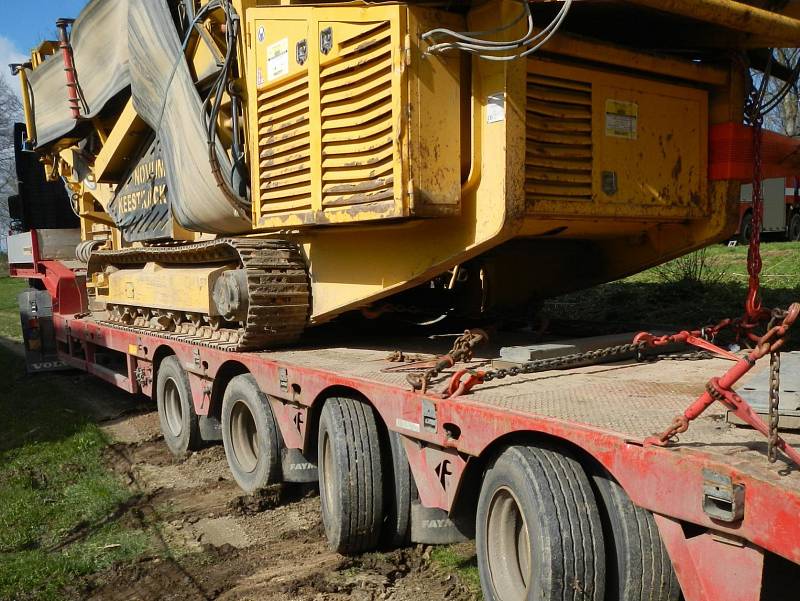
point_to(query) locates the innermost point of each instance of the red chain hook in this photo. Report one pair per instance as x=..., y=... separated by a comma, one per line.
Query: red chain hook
x=754, y=312
x=720, y=389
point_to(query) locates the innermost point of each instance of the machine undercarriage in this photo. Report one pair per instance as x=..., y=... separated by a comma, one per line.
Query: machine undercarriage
x=236, y=293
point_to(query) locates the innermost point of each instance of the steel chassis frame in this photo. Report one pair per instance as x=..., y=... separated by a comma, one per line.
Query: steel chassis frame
x=447, y=441
x=718, y=560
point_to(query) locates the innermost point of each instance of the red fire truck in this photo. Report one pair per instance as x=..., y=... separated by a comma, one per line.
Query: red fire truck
x=732, y=158
x=781, y=208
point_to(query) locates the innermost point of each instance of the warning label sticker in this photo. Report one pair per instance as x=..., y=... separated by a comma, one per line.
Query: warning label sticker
x=496, y=108
x=278, y=59
x=622, y=119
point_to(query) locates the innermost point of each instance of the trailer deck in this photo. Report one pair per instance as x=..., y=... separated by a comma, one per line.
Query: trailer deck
x=716, y=479
x=629, y=400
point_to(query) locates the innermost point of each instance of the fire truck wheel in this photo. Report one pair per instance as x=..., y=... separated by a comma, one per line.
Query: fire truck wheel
x=638, y=566
x=179, y=423
x=539, y=534
x=400, y=491
x=745, y=229
x=794, y=228
x=250, y=435
x=350, y=475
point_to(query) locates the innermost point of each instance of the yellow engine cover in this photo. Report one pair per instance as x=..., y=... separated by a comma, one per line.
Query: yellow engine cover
x=349, y=121
x=609, y=145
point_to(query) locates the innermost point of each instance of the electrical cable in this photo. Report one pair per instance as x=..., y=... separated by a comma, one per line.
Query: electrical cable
x=214, y=101
x=488, y=49
x=758, y=103
x=232, y=28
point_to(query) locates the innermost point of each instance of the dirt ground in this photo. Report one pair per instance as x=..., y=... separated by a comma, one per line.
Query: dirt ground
x=216, y=543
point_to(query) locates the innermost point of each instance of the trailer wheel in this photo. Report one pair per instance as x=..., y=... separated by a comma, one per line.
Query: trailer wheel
x=250, y=435
x=179, y=423
x=539, y=534
x=794, y=228
x=638, y=565
x=350, y=475
x=400, y=492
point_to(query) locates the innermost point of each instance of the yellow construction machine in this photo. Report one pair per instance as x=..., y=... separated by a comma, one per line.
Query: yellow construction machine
x=243, y=169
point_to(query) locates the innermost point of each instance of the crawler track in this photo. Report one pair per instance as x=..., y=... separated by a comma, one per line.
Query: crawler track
x=278, y=293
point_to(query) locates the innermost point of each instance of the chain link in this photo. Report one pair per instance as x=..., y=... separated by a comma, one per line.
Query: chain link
x=774, y=405
x=461, y=352
x=754, y=263
x=421, y=380
x=604, y=354
x=695, y=356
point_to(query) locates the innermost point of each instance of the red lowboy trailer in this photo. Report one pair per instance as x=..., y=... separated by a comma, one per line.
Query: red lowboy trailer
x=555, y=473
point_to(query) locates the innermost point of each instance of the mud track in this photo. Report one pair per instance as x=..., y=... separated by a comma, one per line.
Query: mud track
x=212, y=542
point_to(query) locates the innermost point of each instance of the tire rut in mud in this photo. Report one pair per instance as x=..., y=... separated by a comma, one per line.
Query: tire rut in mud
x=212, y=542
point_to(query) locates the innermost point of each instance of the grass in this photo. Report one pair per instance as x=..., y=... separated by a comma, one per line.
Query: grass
x=659, y=297
x=460, y=559
x=59, y=504
x=9, y=311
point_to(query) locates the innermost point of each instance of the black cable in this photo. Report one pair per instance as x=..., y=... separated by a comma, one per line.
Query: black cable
x=216, y=93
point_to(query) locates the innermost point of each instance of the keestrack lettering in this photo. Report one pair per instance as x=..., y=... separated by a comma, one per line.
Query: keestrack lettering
x=145, y=188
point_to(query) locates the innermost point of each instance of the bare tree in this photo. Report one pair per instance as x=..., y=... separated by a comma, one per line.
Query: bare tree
x=10, y=112
x=785, y=118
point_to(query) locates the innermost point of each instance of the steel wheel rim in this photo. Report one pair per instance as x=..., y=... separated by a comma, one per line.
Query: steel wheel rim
x=244, y=436
x=173, y=407
x=326, y=474
x=508, y=547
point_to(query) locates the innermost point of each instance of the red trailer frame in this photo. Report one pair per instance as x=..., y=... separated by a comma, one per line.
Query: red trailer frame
x=447, y=441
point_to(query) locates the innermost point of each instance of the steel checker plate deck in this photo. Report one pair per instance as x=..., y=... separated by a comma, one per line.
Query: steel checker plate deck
x=630, y=400
x=607, y=410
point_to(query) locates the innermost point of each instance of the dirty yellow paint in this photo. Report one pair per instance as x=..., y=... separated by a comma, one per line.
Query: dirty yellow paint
x=388, y=167
x=185, y=289
x=346, y=116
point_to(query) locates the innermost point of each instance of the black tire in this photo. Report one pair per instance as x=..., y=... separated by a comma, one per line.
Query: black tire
x=350, y=475
x=400, y=492
x=250, y=435
x=794, y=228
x=746, y=228
x=539, y=535
x=179, y=422
x=637, y=564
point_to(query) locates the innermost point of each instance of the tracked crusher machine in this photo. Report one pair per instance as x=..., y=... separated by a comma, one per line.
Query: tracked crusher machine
x=244, y=169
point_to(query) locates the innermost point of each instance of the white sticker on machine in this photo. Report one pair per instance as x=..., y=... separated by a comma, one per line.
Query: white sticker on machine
x=622, y=119
x=278, y=59
x=495, y=108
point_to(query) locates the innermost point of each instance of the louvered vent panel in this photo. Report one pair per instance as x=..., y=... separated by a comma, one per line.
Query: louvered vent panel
x=558, y=157
x=285, y=148
x=356, y=112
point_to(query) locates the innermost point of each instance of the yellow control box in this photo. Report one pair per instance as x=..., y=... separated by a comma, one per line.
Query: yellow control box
x=350, y=121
